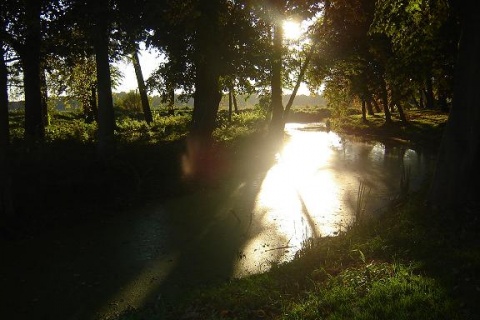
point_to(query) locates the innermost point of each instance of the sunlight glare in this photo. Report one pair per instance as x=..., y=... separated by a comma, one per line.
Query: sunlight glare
x=292, y=30
x=300, y=196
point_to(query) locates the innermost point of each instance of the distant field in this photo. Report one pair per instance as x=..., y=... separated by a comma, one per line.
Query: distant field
x=243, y=102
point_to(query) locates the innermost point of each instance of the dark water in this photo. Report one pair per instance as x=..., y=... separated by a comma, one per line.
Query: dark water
x=100, y=268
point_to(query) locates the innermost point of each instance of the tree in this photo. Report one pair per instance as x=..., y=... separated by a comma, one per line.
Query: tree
x=422, y=40
x=6, y=207
x=147, y=112
x=277, y=122
x=75, y=77
x=132, y=29
x=4, y=124
x=278, y=11
x=106, y=117
x=456, y=181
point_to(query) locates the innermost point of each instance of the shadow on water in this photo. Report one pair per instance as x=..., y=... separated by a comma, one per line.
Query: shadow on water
x=157, y=252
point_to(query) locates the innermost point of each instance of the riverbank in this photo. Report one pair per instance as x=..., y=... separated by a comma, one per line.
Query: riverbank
x=423, y=128
x=412, y=263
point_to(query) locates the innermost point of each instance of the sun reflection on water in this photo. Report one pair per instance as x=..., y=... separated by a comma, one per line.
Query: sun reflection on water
x=300, y=196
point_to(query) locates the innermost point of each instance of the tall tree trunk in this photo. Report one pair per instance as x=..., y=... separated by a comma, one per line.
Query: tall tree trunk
x=235, y=104
x=230, y=106
x=401, y=112
x=147, y=112
x=422, y=99
x=430, y=98
x=386, y=110
x=415, y=101
x=30, y=55
x=198, y=160
x=207, y=94
x=4, y=124
x=442, y=100
x=6, y=204
x=370, y=107
x=106, y=117
x=364, y=110
x=396, y=102
x=277, y=122
x=171, y=100
x=44, y=90
x=457, y=175
x=303, y=69
x=93, y=102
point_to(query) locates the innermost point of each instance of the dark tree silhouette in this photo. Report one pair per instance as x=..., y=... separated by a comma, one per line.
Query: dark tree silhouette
x=457, y=176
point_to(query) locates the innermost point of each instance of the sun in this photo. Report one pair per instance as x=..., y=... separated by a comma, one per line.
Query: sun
x=292, y=30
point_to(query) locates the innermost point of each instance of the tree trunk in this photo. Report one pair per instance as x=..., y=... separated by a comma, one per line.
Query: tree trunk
x=401, y=112
x=415, y=101
x=30, y=55
x=147, y=112
x=93, y=102
x=44, y=91
x=386, y=110
x=106, y=117
x=4, y=124
x=422, y=99
x=235, y=104
x=303, y=69
x=377, y=107
x=430, y=98
x=230, y=106
x=396, y=102
x=171, y=101
x=198, y=160
x=277, y=122
x=207, y=94
x=457, y=175
x=206, y=102
x=234, y=99
x=442, y=100
x=364, y=110
x=370, y=107
x=6, y=204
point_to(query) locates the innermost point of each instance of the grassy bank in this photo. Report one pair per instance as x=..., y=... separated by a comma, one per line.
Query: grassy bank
x=411, y=263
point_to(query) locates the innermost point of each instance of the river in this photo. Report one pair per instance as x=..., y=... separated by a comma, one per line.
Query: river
x=211, y=235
